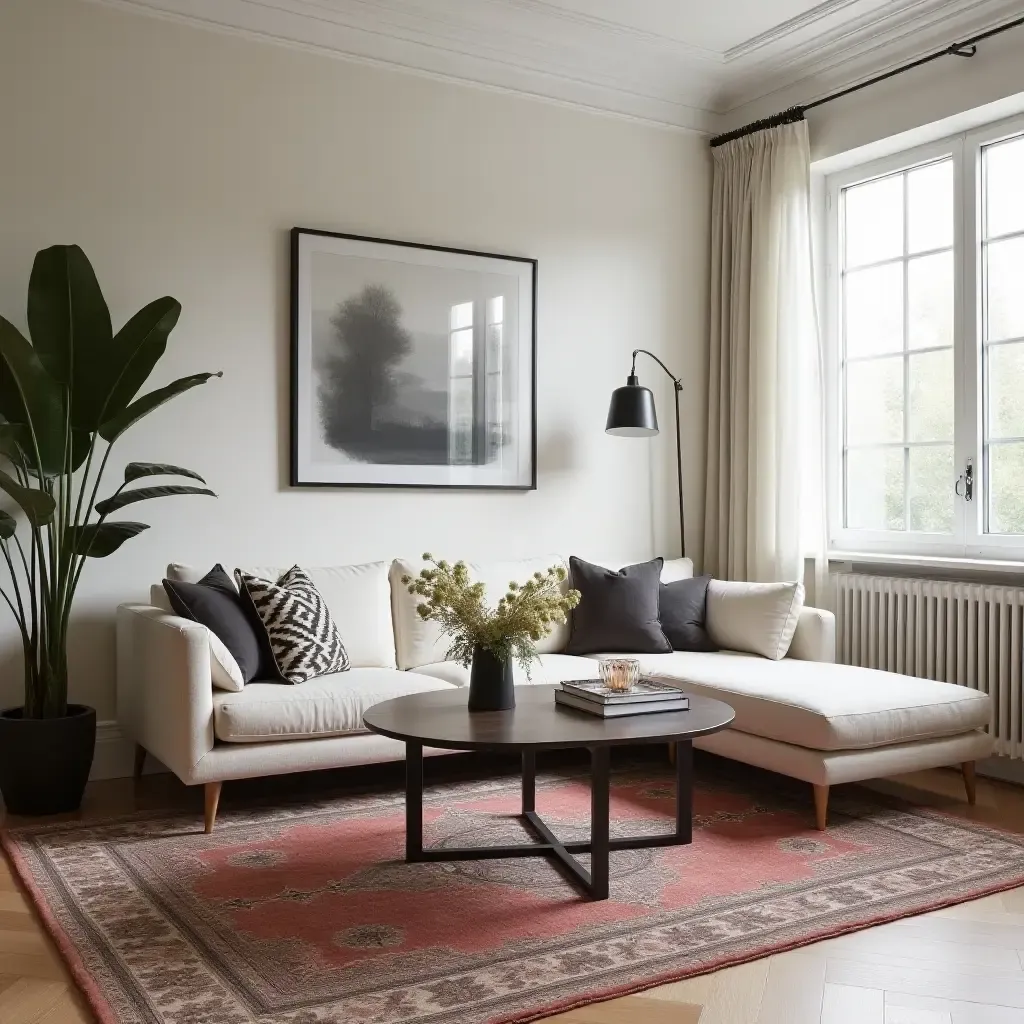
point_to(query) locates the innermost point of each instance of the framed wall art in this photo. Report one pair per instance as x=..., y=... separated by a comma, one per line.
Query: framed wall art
x=412, y=365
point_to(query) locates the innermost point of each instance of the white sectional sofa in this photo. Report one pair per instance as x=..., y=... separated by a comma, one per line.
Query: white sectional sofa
x=803, y=715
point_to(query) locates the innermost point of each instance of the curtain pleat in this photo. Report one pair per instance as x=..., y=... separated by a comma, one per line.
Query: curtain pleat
x=763, y=512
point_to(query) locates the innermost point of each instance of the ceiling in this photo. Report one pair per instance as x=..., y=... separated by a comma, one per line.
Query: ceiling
x=685, y=63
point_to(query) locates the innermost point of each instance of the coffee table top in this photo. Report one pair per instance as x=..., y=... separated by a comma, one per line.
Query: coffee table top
x=440, y=718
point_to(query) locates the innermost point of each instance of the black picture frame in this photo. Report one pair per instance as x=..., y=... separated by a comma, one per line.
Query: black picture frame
x=299, y=474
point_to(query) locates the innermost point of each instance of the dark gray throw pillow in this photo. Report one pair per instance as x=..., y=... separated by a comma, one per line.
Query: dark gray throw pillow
x=216, y=603
x=683, y=613
x=618, y=611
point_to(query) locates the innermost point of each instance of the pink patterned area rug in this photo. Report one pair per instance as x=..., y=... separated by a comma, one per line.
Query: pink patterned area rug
x=308, y=914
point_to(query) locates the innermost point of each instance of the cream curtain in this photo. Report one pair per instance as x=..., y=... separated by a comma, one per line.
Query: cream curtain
x=765, y=479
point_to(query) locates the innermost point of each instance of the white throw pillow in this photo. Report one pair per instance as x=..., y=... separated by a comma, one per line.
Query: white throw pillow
x=359, y=600
x=759, y=618
x=224, y=671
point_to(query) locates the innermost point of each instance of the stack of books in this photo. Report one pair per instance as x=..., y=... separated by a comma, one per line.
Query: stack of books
x=646, y=697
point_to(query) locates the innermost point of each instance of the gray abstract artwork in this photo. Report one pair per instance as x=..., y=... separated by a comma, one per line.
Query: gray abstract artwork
x=412, y=366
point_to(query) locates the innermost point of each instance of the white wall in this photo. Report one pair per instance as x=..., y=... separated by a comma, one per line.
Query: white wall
x=179, y=158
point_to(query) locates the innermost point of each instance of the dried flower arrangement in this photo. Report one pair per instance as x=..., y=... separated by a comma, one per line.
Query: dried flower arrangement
x=523, y=616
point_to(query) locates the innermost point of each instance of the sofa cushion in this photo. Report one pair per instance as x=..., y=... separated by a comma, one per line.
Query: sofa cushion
x=824, y=707
x=682, y=605
x=547, y=668
x=419, y=642
x=358, y=598
x=328, y=706
x=298, y=625
x=235, y=643
x=618, y=608
x=759, y=618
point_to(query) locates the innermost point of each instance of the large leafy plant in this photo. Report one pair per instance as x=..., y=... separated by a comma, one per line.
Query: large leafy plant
x=65, y=399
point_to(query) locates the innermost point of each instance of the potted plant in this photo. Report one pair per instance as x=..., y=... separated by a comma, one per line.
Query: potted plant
x=65, y=399
x=488, y=640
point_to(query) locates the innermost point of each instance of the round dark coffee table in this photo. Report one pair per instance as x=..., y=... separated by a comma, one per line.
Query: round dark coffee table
x=440, y=718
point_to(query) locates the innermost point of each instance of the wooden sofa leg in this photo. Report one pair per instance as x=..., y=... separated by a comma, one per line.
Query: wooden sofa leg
x=211, y=795
x=821, y=807
x=140, y=761
x=970, y=782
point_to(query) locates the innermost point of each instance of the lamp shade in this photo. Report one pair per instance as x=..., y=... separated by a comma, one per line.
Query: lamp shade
x=631, y=412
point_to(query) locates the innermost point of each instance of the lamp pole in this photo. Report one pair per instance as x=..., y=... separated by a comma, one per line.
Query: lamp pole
x=632, y=414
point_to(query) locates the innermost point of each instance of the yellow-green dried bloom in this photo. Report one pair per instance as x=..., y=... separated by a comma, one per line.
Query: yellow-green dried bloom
x=510, y=630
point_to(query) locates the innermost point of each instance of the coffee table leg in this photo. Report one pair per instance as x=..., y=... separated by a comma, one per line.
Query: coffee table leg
x=684, y=790
x=529, y=781
x=599, y=799
x=413, y=801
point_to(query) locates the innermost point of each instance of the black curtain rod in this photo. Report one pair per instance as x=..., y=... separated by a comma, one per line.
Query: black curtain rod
x=967, y=48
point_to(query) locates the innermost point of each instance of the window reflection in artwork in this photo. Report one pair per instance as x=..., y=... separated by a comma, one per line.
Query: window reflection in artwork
x=477, y=401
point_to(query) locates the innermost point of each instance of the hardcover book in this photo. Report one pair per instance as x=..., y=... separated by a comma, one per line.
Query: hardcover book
x=647, y=707
x=644, y=690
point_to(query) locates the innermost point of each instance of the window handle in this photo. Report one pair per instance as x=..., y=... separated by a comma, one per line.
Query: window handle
x=967, y=479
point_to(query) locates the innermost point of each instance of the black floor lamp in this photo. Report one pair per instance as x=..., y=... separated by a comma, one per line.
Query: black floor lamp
x=631, y=413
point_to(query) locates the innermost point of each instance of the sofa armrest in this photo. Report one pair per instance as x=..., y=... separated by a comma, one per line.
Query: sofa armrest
x=815, y=636
x=164, y=691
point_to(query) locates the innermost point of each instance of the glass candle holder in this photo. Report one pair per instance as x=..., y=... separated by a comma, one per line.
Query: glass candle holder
x=620, y=674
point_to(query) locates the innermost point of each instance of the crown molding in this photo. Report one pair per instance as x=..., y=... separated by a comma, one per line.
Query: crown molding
x=400, y=36
x=546, y=51
x=786, y=28
x=860, y=49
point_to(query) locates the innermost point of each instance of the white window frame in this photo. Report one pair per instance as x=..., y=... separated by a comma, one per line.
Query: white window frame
x=978, y=543
x=967, y=538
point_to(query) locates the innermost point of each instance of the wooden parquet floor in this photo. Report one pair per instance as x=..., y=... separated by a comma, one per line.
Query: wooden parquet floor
x=963, y=965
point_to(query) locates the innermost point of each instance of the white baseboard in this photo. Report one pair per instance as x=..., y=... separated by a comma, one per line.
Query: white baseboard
x=1006, y=768
x=115, y=754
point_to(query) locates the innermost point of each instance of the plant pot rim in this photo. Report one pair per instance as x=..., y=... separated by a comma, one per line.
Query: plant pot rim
x=74, y=711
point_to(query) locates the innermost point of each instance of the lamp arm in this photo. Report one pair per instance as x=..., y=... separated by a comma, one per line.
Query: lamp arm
x=678, y=384
x=675, y=380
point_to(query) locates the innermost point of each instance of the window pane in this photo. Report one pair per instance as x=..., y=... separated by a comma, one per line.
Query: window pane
x=930, y=207
x=1006, y=390
x=874, y=310
x=494, y=361
x=930, y=488
x=874, y=401
x=930, y=301
x=460, y=421
x=874, y=221
x=1006, y=488
x=495, y=416
x=1005, y=289
x=1004, y=197
x=874, y=489
x=496, y=309
x=462, y=353
x=931, y=396
x=462, y=315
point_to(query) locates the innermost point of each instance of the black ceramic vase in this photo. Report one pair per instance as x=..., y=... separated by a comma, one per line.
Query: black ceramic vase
x=491, y=687
x=45, y=762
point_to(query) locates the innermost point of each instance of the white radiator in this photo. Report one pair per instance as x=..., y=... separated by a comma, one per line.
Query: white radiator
x=966, y=633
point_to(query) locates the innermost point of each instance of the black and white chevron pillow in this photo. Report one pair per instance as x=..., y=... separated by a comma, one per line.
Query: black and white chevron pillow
x=303, y=637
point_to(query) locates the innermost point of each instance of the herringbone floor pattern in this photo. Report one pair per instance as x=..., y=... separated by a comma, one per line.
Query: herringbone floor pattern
x=964, y=965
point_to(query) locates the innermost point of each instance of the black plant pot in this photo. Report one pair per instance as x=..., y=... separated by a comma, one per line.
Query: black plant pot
x=490, y=683
x=45, y=762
